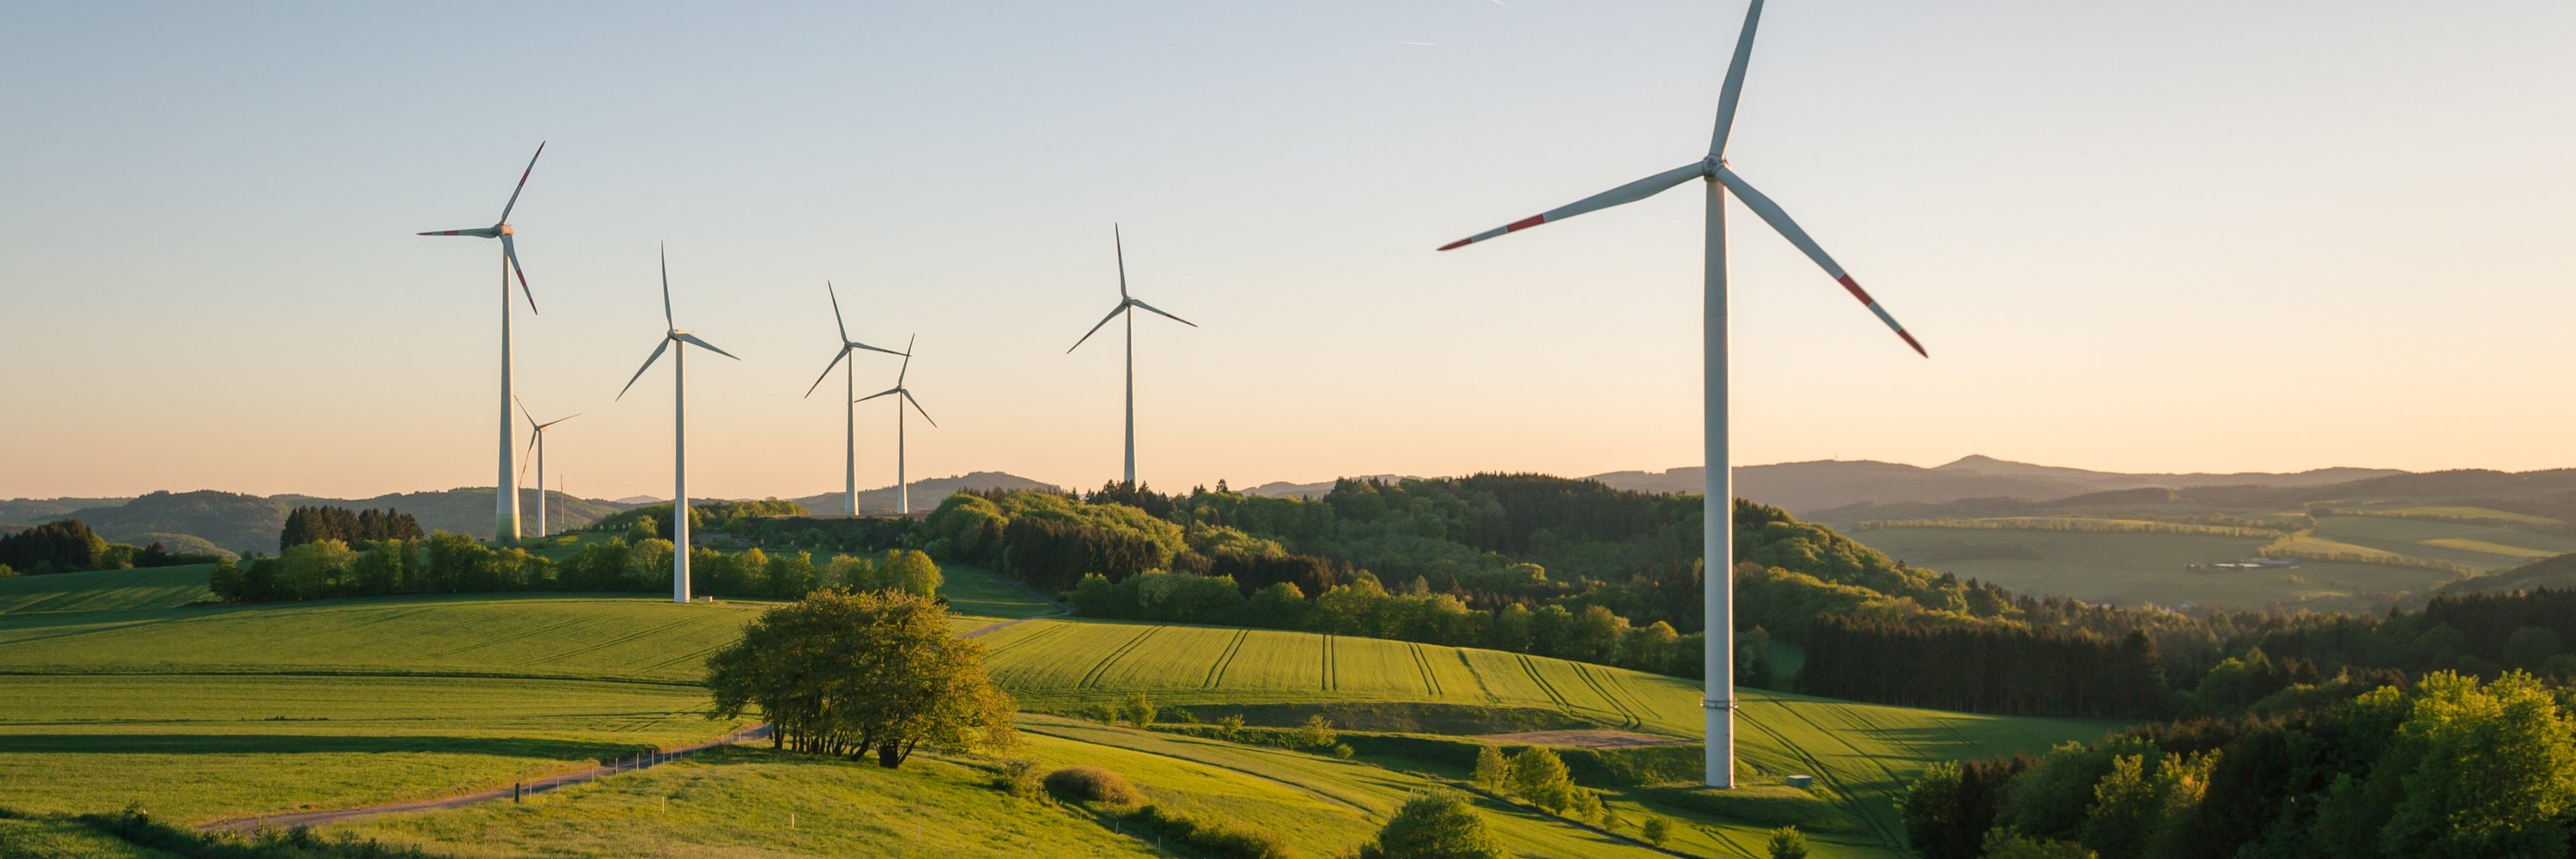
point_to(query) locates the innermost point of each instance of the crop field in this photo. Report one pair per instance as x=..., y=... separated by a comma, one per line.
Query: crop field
x=2478, y=544
x=105, y=590
x=2135, y=569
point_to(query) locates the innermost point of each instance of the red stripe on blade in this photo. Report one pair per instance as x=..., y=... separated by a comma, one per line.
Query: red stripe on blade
x=1909, y=341
x=1525, y=223
x=1456, y=244
x=1856, y=292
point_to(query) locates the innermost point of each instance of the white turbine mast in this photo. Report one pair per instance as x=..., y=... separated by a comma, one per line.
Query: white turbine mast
x=505, y=505
x=679, y=429
x=903, y=485
x=849, y=407
x=537, y=444
x=1127, y=305
x=1717, y=516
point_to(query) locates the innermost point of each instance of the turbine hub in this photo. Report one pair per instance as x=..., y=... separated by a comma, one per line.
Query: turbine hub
x=505, y=229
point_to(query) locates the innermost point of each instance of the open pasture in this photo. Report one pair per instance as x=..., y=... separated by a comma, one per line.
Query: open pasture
x=2137, y=569
x=2483, y=545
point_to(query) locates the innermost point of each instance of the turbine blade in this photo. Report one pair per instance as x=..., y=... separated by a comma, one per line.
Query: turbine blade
x=648, y=364
x=858, y=345
x=916, y=407
x=477, y=232
x=523, y=183
x=524, y=460
x=836, y=311
x=1120, y=243
x=559, y=420
x=1104, y=321
x=837, y=355
x=510, y=251
x=666, y=287
x=523, y=408
x=692, y=338
x=1779, y=220
x=1165, y=315
x=907, y=360
x=878, y=394
x=1628, y=193
x=1734, y=87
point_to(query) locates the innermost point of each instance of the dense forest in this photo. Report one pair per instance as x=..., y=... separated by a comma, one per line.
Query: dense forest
x=325, y=522
x=455, y=563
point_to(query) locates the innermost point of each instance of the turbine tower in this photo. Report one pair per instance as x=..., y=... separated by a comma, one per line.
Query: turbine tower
x=679, y=430
x=505, y=504
x=849, y=407
x=537, y=443
x=902, y=486
x=1127, y=305
x=1717, y=516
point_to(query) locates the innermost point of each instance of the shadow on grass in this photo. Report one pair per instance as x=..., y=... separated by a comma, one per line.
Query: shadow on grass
x=290, y=744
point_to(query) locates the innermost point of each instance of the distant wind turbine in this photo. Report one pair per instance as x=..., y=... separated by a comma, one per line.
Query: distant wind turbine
x=537, y=443
x=1127, y=305
x=849, y=407
x=679, y=430
x=1717, y=517
x=505, y=509
x=902, y=486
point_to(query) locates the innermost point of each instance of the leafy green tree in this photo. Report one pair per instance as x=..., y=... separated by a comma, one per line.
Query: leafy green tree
x=1493, y=772
x=2004, y=842
x=2487, y=771
x=1540, y=777
x=1317, y=733
x=1439, y=825
x=1788, y=843
x=852, y=673
x=1657, y=830
x=1138, y=711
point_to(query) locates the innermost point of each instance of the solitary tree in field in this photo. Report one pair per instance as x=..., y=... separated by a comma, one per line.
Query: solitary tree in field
x=1434, y=826
x=1540, y=777
x=1788, y=843
x=849, y=673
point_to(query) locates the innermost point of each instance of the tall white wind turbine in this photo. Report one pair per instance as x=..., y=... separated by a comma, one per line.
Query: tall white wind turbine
x=679, y=430
x=505, y=505
x=902, y=485
x=849, y=407
x=537, y=444
x=1717, y=515
x=1127, y=306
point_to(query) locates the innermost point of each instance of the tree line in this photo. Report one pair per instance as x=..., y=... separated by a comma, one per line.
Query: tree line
x=456, y=563
x=307, y=524
x=69, y=546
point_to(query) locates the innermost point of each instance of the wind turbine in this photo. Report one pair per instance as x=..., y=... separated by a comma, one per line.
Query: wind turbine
x=849, y=407
x=902, y=487
x=1717, y=516
x=537, y=442
x=1126, y=306
x=679, y=430
x=505, y=507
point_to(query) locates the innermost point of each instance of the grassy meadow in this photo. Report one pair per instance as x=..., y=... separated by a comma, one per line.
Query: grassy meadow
x=2141, y=568
x=210, y=712
x=105, y=590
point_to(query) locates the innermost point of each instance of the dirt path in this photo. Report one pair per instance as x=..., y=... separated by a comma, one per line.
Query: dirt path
x=545, y=785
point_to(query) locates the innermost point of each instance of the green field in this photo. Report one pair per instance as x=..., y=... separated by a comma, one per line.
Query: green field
x=105, y=590
x=210, y=712
x=2477, y=544
x=2136, y=569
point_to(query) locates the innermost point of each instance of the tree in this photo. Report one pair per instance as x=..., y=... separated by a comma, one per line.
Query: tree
x=1139, y=711
x=1317, y=733
x=1493, y=773
x=2003, y=842
x=1788, y=843
x=1657, y=830
x=1434, y=826
x=1539, y=776
x=850, y=673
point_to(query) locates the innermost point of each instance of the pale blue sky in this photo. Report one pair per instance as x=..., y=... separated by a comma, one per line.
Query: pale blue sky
x=2133, y=235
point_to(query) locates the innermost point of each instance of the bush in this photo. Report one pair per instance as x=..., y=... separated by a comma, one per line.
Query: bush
x=1540, y=778
x=1138, y=711
x=1213, y=838
x=1017, y=777
x=1493, y=773
x=1788, y=843
x=1317, y=733
x=1102, y=712
x=1093, y=784
x=1434, y=826
x=1657, y=830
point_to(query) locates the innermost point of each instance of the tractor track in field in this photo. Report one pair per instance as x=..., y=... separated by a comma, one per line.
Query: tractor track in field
x=1481, y=685
x=1330, y=681
x=1845, y=791
x=1225, y=659
x=1549, y=689
x=535, y=631
x=1422, y=662
x=1628, y=717
x=1091, y=679
x=1043, y=633
x=596, y=646
x=1842, y=799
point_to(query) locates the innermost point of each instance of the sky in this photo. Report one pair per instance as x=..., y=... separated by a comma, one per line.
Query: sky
x=2133, y=235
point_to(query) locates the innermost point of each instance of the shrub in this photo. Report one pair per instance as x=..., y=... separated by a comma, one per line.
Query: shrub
x=1343, y=751
x=1138, y=711
x=1102, y=712
x=1434, y=826
x=1231, y=726
x=1539, y=777
x=1788, y=843
x=1657, y=830
x=1018, y=777
x=1093, y=784
x=1317, y=733
x=1493, y=773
